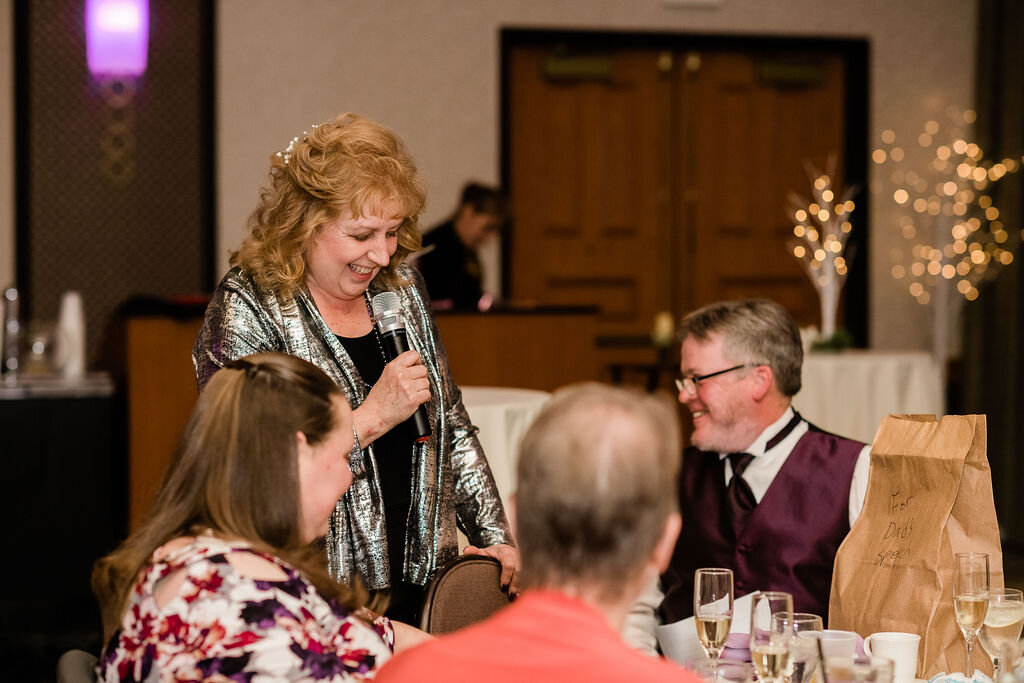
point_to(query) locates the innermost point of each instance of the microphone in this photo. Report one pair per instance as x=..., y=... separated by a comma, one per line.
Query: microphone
x=387, y=310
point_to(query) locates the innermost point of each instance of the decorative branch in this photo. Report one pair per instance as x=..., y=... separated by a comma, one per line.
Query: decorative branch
x=822, y=227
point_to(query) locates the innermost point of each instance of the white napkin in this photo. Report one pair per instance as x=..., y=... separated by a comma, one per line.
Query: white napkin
x=958, y=677
x=679, y=641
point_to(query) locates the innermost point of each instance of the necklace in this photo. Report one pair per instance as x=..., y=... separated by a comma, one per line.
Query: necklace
x=373, y=323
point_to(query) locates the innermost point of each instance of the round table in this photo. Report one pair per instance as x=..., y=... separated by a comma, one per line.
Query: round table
x=848, y=393
x=502, y=415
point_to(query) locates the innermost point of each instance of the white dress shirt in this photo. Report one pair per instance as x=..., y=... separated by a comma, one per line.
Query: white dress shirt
x=763, y=468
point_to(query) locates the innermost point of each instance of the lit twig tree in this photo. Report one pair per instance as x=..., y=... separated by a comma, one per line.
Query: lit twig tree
x=821, y=229
x=953, y=229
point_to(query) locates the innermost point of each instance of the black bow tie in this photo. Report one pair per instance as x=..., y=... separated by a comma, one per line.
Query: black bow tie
x=783, y=433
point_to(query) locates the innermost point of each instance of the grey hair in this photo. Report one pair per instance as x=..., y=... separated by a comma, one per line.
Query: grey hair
x=756, y=331
x=597, y=478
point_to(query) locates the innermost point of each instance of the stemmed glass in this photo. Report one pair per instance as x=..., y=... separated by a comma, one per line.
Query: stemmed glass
x=1002, y=625
x=712, y=610
x=723, y=671
x=970, y=598
x=803, y=648
x=769, y=651
x=858, y=669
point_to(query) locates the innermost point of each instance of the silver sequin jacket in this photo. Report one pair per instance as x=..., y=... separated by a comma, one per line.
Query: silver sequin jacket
x=451, y=480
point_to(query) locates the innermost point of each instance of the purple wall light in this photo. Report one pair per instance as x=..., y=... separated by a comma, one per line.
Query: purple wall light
x=117, y=36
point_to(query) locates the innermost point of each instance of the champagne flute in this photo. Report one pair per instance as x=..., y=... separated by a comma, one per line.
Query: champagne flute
x=970, y=598
x=803, y=649
x=769, y=652
x=1003, y=624
x=712, y=610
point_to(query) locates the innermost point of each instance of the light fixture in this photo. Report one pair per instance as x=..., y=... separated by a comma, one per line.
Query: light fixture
x=117, y=37
x=117, y=43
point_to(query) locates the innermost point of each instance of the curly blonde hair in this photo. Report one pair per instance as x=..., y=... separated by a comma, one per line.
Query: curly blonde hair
x=348, y=165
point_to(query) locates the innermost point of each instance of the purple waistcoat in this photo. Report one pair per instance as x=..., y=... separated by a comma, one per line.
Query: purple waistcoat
x=790, y=540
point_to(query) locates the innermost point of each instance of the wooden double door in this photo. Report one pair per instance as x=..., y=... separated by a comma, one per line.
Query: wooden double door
x=646, y=180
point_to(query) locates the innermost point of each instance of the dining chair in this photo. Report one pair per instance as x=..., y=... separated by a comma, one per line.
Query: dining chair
x=463, y=592
x=76, y=666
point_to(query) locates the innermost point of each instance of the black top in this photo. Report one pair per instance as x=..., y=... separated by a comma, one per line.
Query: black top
x=451, y=270
x=393, y=453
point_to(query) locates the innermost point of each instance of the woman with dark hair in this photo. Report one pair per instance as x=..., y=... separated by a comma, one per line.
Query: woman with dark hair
x=449, y=261
x=222, y=580
x=332, y=230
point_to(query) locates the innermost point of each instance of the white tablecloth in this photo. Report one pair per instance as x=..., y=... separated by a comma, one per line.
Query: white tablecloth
x=848, y=393
x=502, y=415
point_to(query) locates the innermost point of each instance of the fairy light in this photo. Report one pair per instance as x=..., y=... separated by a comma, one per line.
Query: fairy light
x=956, y=233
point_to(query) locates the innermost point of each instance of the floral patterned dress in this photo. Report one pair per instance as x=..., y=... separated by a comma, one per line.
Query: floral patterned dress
x=223, y=626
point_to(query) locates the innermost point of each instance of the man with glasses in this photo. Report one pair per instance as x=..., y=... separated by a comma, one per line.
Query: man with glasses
x=762, y=491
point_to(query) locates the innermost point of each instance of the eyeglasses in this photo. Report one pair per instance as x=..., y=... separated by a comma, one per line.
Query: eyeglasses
x=689, y=384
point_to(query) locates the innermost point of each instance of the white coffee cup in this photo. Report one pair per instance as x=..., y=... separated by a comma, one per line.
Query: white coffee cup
x=836, y=643
x=901, y=648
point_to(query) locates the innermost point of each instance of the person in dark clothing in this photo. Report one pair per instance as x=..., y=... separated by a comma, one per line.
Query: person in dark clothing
x=449, y=261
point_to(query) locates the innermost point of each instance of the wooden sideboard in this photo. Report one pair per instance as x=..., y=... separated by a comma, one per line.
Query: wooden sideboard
x=161, y=391
x=532, y=349
x=541, y=348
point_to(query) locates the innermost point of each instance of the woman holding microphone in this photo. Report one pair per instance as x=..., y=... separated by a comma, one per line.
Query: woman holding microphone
x=331, y=232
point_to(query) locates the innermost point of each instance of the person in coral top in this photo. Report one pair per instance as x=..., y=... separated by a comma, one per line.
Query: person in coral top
x=596, y=520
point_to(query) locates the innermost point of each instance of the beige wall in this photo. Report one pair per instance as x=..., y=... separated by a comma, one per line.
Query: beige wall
x=6, y=144
x=429, y=69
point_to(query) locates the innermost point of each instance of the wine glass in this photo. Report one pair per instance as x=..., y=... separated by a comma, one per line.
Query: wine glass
x=1002, y=625
x=769, y=652
x=1012, y=660
x=970, y=598
x=858, y=669
x=712, y=610
x=723, y=671
x=803, y=649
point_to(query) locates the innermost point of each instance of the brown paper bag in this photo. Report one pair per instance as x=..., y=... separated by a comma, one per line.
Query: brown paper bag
x=929, y=496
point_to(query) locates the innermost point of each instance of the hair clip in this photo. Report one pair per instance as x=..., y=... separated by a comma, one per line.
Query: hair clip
x=287, y=153
x=248, y=367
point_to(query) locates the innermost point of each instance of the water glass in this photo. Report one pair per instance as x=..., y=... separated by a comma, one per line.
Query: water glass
x=858, y=669
x=796, y=628
x=1003, y=624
